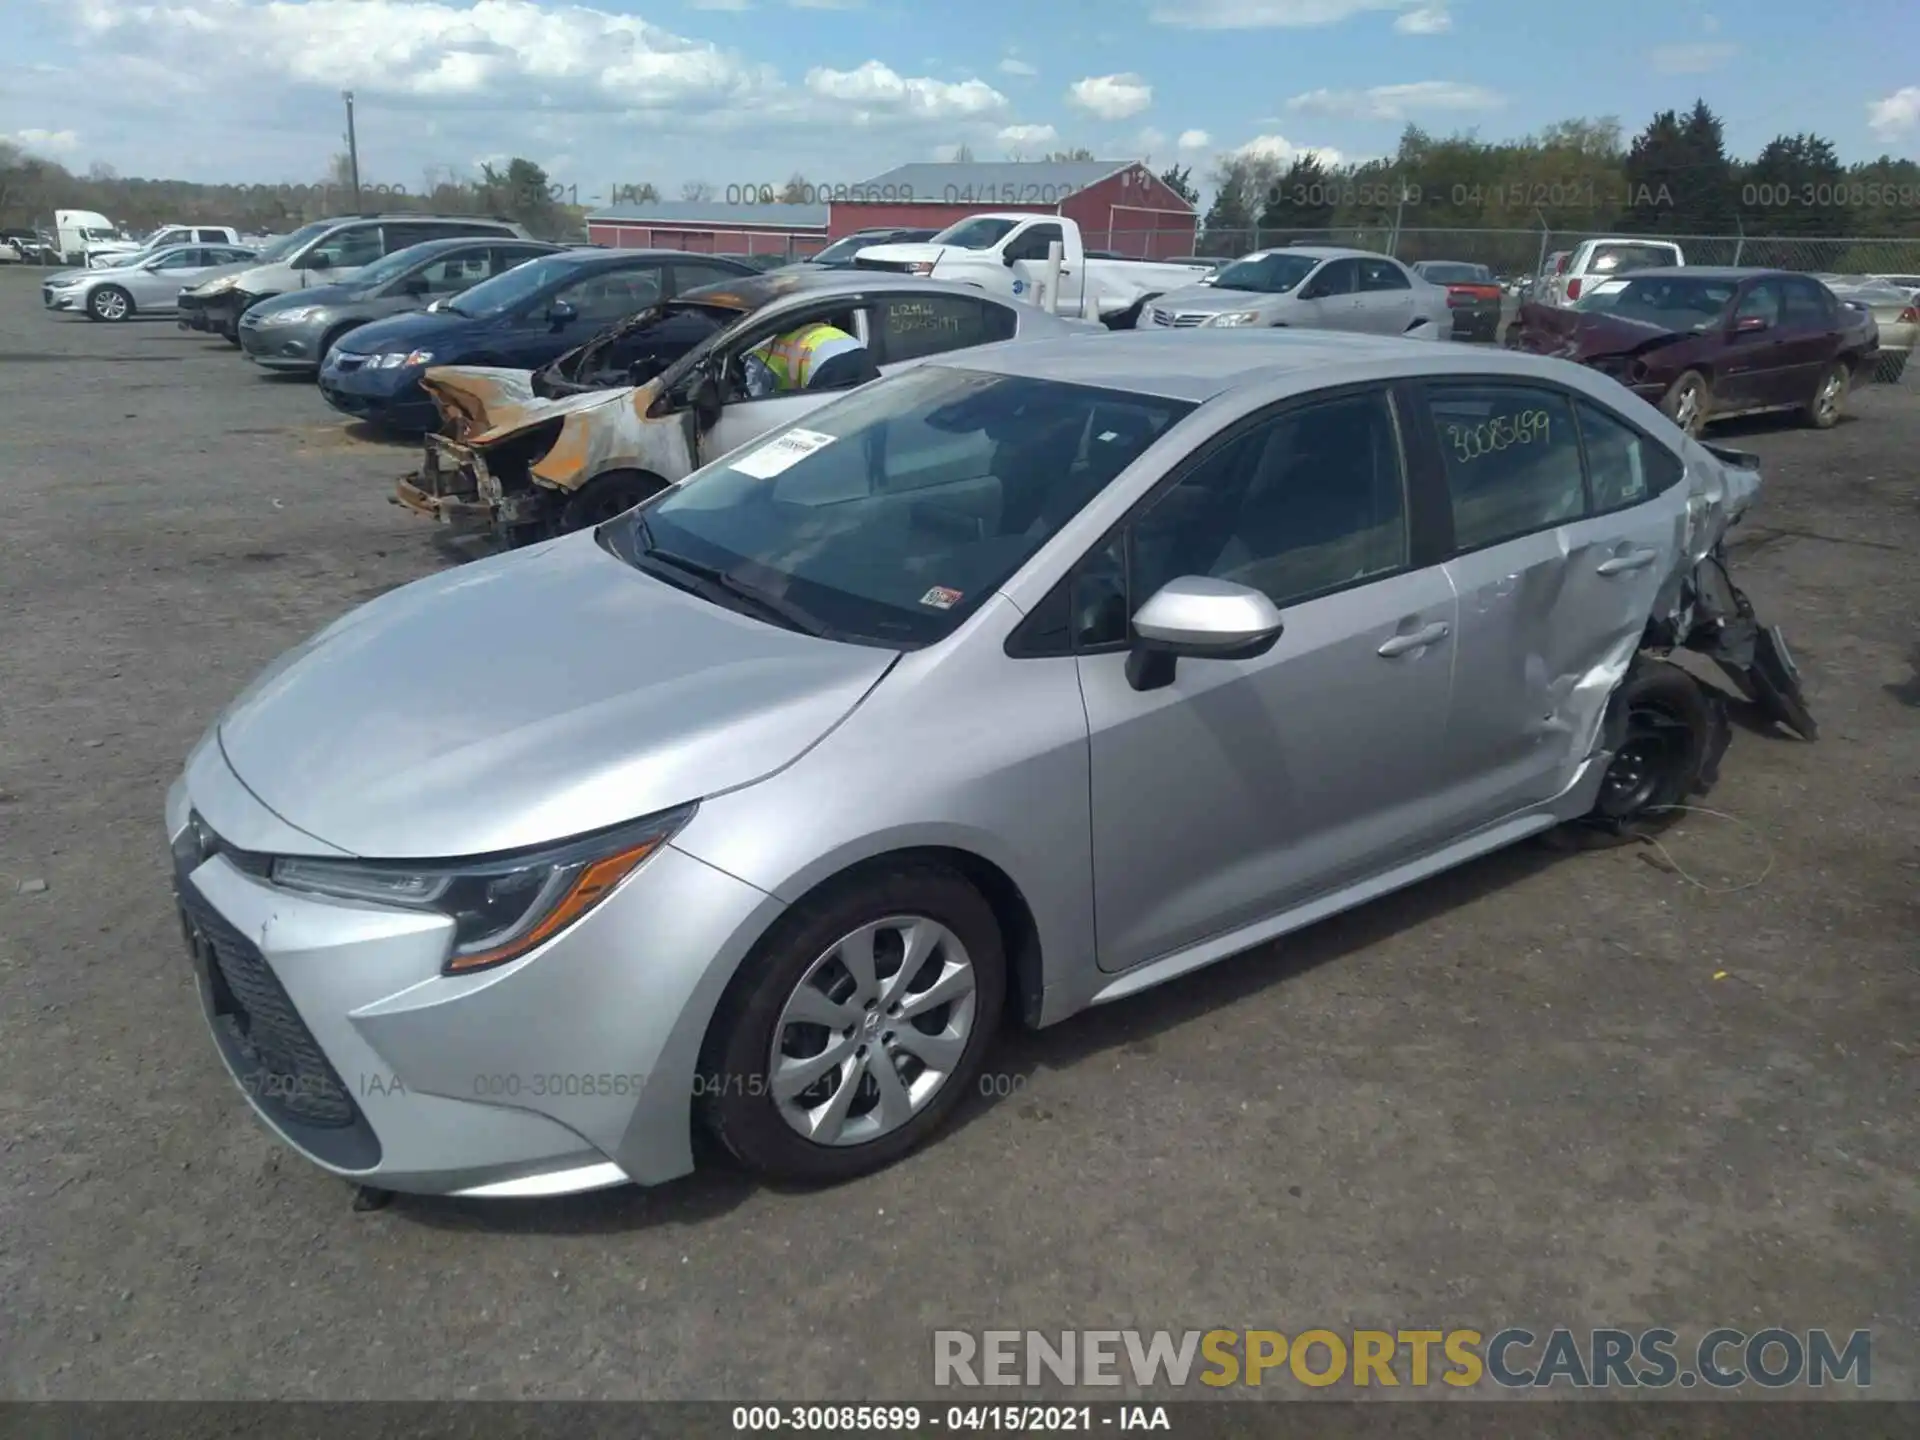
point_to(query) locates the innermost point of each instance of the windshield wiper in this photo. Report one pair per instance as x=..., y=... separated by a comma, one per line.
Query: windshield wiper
x=782, y=610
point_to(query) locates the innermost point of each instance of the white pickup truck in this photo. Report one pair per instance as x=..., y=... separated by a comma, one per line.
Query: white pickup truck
x=1006, y=253
x=107, y=254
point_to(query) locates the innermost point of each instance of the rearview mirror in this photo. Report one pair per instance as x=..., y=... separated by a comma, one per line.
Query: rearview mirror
x=560, y=314
x=1199, y=618
x=1751, y=324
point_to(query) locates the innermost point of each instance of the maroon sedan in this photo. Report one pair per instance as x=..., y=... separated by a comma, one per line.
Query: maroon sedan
x=1706, y=343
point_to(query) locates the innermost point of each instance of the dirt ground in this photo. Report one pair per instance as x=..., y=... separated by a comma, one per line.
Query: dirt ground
x=1627, y=1088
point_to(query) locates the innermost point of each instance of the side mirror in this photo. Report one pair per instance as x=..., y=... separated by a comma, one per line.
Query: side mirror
x=560, y=314
x=1007, y=257
x=1199, y=618
x=1751, y=324
x=319, y=261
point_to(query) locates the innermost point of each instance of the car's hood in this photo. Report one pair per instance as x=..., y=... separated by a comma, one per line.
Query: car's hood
x=1212, y=300
x=906, y=252
x=484, y=405
x=1587, y=334
x=221, y=272
x=412, y=330
x=526, y=698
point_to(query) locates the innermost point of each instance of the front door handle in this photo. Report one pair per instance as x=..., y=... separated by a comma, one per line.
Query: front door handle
x=1418, y=640
x=1621, y=564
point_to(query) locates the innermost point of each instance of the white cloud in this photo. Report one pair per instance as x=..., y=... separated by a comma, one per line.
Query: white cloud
x=1896, y=114
x=46, y=142
x=1194, y=140
x=1427, y=20
x=1111, y=97
x=1692, y=59
x=1024, y=135
x=1151, y=140
x=1284, y=152
x=875, y=88
x=723, y=4
x=826, y=4
x=1396, y=102
x=1013, y=66
x=1272, y=14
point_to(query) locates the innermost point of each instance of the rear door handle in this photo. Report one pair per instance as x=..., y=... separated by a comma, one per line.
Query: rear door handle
x=1620, y=564
x=1419, y=639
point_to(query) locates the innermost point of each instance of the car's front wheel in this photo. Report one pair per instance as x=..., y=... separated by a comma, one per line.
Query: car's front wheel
x=853, y=1031
x=109, y=302
x=1688, y=402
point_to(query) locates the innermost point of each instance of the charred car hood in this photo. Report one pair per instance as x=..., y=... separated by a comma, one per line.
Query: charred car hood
x=493, y=404
x=526, y=698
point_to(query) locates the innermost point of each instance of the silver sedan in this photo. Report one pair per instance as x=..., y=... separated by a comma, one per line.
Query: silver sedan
x=1016, y=683
x=1311, y=287
x=150, y=287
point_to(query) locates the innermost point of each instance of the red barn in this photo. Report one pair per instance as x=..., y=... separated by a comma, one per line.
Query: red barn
x=708, y=227
x=1120, y=205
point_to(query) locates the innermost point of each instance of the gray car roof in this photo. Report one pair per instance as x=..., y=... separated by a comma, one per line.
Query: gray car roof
x=1194, y=366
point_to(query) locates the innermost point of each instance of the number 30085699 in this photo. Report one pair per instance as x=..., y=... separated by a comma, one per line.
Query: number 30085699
x=1503, y=432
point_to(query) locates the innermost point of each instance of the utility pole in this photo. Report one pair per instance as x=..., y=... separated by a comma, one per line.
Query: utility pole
x=353, y=150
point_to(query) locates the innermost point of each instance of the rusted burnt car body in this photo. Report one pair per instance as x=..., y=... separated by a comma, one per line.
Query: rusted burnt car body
x=528, y=455
x=1707, y=343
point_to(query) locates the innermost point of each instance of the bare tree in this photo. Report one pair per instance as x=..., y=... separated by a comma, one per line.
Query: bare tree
x=796, y=191
x=696, y=190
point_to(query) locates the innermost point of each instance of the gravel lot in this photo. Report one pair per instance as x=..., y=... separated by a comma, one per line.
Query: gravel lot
x=1517, y=1094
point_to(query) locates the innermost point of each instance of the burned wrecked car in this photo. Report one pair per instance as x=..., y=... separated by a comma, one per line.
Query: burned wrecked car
x=1707, y=343
x=530, y=454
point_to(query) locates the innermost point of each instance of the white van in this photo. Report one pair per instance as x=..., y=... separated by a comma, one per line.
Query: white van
x=1594, y=260
x=75, y=230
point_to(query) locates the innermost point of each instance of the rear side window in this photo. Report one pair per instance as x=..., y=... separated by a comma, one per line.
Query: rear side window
x=1807, y=303
x=1624, y=467
x=1512, y=459
x=1611, y=259
x=1382, y=275
x=911, y=326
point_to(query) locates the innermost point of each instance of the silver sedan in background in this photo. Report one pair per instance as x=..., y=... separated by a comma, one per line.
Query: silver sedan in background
x=149, y=287
x=1314, y=288
x=1018, y=682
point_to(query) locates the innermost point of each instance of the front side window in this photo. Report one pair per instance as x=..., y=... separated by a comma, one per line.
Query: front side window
x=911, y=326
x=1034, y=243
x=183, y=259
x=1762, y=302
x=1311, y=501
x=1512, y=459
x=888, y=517
x=1336, y=277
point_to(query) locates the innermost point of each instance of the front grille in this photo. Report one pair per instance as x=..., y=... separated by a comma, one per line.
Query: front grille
x=273, y=1054
x=894, y=267
x=1180, y=321
x=345, y=363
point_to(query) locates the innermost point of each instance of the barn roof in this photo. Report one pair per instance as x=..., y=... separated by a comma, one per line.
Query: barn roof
x=931, y=183
x=714, y=212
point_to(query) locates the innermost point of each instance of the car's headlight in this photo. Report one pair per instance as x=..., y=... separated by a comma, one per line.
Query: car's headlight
x=1236, y=317
x=216, y=287
x=919, y=267
x=399, y=359
x=500, y=908
x=299, y=314
x=72, y=284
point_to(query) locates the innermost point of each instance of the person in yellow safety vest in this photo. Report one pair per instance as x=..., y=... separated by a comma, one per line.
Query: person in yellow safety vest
x=789, y=362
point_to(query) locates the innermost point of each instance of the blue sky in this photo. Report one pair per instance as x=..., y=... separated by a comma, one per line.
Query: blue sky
x=748, y=91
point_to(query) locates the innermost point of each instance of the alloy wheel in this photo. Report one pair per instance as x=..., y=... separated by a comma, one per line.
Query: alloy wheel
x=110, y=305
x=1686, y=408
x=1827, y=403
x=873, y=1031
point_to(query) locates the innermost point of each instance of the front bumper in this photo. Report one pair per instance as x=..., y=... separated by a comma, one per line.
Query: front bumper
x=570, y=1069
x=280, y=347
x=454, y=486
x=384, y=397
x=66, y=300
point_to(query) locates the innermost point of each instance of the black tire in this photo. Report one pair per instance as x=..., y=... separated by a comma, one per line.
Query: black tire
x=328, y=341
x=606, y=496
x=1673, y=403
x=1822, y=412
x=1667, y=732
x=109, y=303
x=733, y=1098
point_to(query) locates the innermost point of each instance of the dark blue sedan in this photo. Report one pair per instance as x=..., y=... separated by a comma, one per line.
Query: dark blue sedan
x=532, y=314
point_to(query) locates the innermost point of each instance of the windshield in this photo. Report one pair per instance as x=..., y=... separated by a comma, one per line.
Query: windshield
x=842, y=251
x=287, y=244
x=1670, y=301
x=1273, y=273
x=512, y=287
x=889, y=516
x=1451, y=272
x=635, y=351
x=981, y=233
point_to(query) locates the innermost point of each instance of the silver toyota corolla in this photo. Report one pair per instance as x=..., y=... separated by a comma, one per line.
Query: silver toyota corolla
x=1311, y=288
x=1010, y=685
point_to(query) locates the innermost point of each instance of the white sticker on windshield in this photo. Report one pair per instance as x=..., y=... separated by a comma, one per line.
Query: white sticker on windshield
x=777, y=455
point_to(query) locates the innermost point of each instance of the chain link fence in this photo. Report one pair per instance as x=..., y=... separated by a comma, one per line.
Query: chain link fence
x=1513, y=254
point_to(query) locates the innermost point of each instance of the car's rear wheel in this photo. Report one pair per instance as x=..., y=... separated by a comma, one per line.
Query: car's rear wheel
x=1667, y=733
x=109, y=302
x=606, y=496
x=853, y=1031
x=1689, y=401
x=1829, y=398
